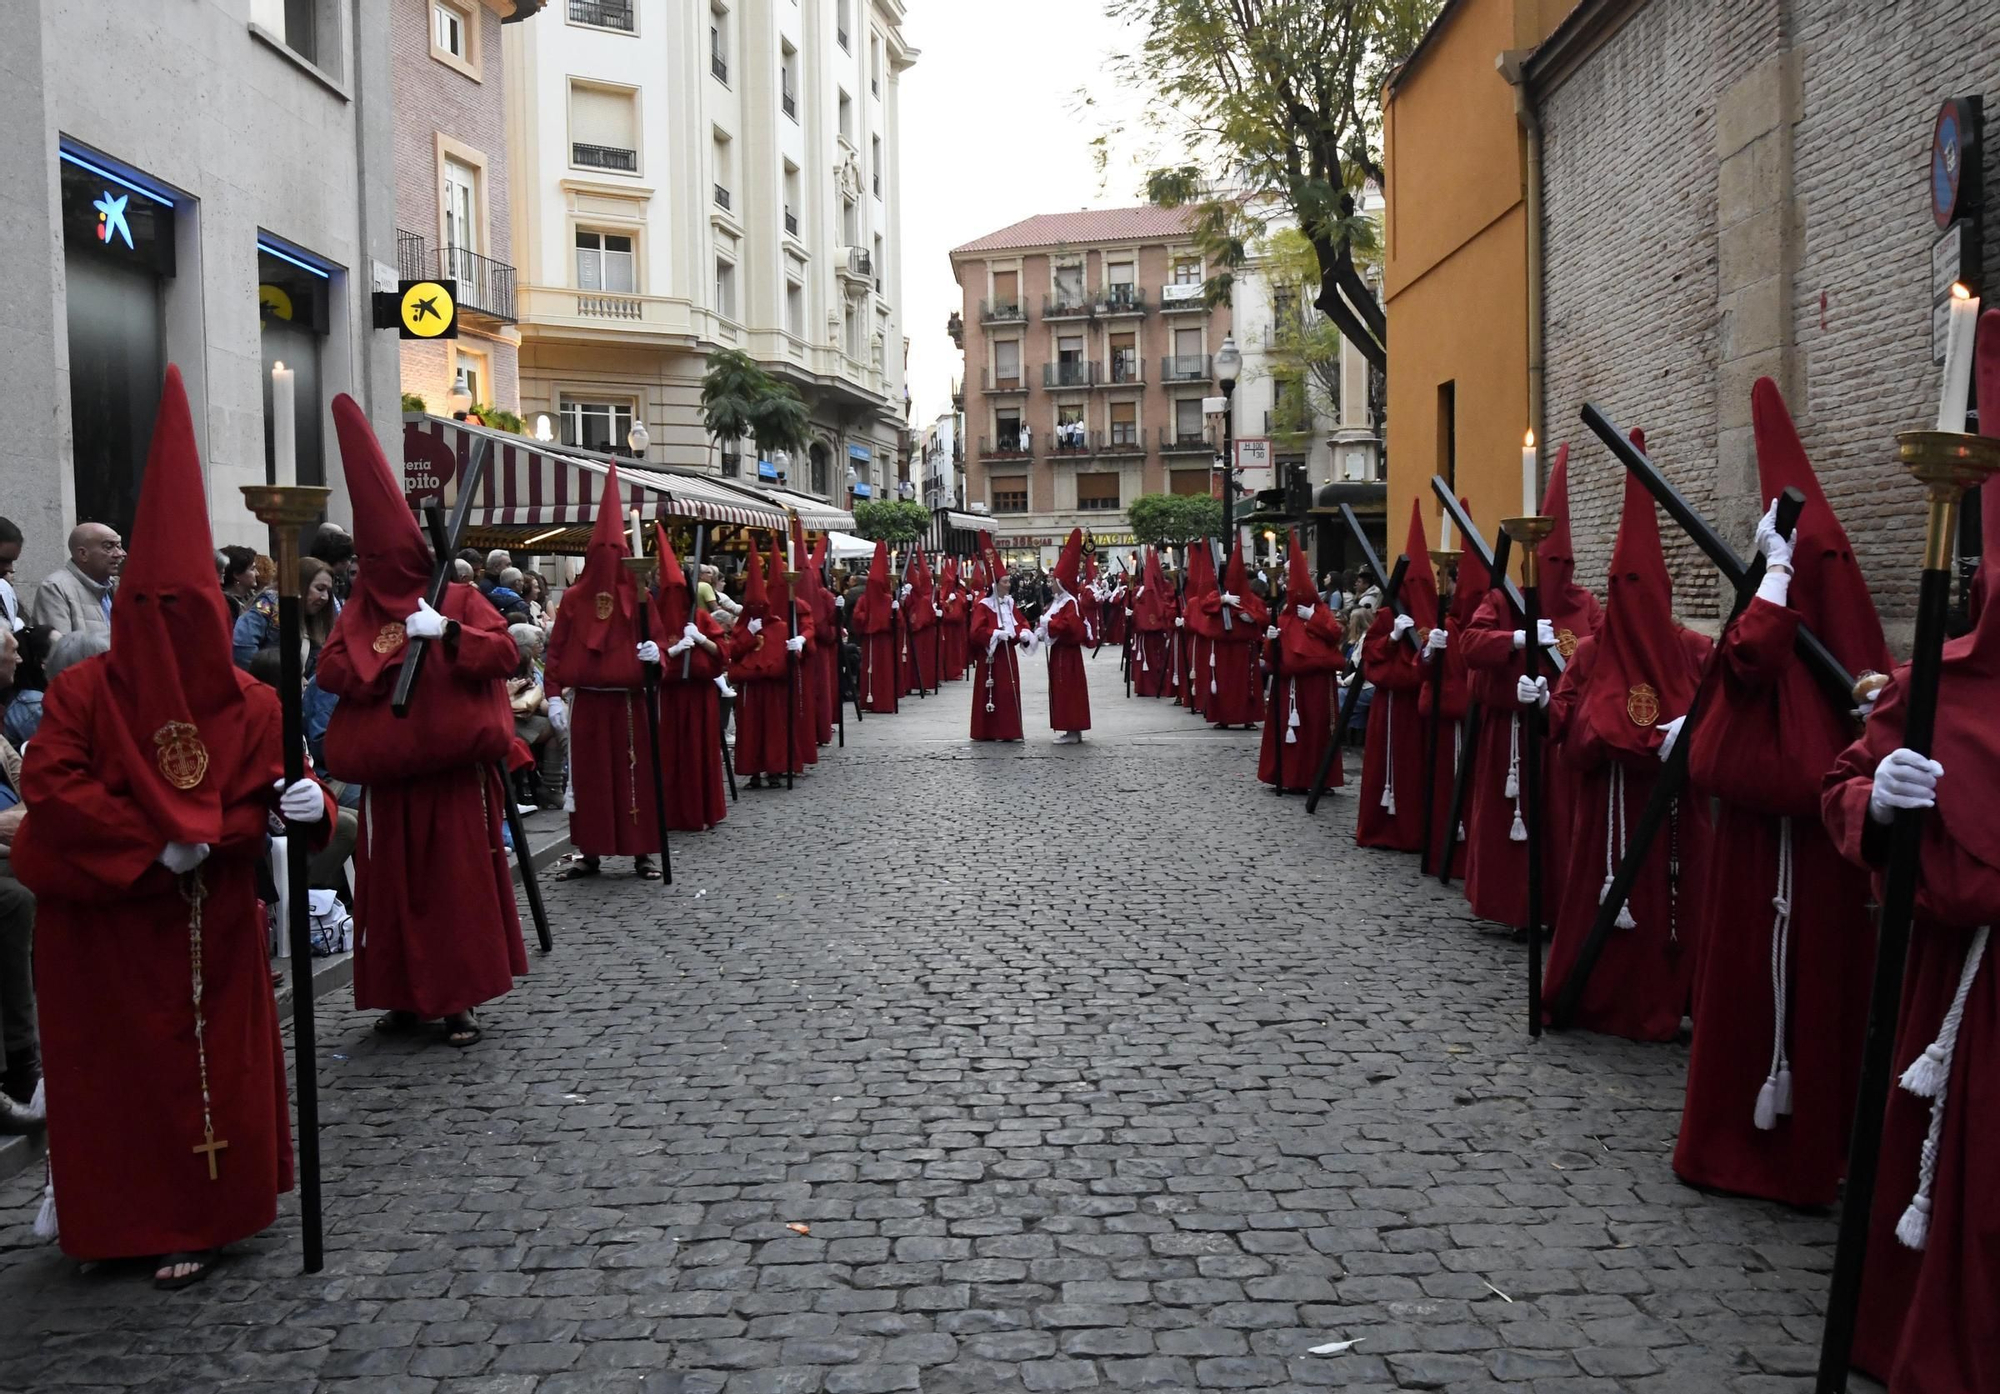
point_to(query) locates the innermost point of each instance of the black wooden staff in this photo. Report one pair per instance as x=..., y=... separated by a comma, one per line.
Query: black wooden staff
x=641, y=570
x=1947, y=464
x=1473, y=728
x=444, y=537
x=1274, y=711
x=1434, y=680
x=1532, y=529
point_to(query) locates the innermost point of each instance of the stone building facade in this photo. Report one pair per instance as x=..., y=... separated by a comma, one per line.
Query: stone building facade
x=1735, y=191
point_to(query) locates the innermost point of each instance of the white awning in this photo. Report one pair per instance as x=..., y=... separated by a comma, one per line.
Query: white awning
x=815, y=515
x=846, y=545
x=971, y=522
x=529, y=484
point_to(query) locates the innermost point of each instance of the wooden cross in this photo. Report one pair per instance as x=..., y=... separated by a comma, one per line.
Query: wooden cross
x=211, y=1146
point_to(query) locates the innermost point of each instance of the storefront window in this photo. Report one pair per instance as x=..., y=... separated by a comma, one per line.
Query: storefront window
x=292, y=315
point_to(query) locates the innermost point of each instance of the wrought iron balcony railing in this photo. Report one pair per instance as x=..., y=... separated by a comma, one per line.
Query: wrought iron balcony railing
x=605, y=14
x=485, y=286
x=604, y=157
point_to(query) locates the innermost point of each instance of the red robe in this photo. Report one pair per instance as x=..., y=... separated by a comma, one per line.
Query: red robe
x=953, y=623
x=1926, y=1321
x=761, y=675
x=920, y=644
x=1115, y=617
x=1766, y=734
x=610, y=760
x=996, y=677
x=1496, y=864
x=1305, y=667
x=1069, y=687
x=874, y=625
x=1643, y=982
x=1456, y=693
x=805, y=723
x=1092, y=610
x=112, y=974
x=822, y=665
x=436, y=928
x=1392, y=760
x=691, y=734
x=1230, y=688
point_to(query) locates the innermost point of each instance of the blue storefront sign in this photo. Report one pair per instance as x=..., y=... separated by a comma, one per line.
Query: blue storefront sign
x=858, y=452
x=766, y=470
x=862, y=491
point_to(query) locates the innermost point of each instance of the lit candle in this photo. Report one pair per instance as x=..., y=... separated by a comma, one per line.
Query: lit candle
x=1444, y=527
x=1958, y=359
x=638, y=537
x=1530, y=500
x=284, y=428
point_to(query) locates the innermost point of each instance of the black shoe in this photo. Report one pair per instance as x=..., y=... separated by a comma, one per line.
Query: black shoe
x=21, y=1078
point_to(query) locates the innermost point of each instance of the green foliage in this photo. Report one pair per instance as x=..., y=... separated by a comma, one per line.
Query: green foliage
x=499, y=418
x=1162, y=519
x=739, y=399
x=412, y=402
x=897, y=520
x=1273, y=107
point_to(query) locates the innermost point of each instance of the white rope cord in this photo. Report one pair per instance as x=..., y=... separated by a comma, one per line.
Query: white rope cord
x=1614, y=843
x=1775, y=1097
x=1292, y=721
x=1914, y=1228
x=1519, y=831
x=1457, y=759
x=1388, y=750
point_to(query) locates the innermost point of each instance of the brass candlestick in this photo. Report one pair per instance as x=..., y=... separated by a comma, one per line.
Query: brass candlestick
x=284, y=509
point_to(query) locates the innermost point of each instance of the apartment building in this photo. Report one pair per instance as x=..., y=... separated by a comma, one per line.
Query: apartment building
x=689, y=177
x=453, y=193
x=1089, y=347
x=944, y=462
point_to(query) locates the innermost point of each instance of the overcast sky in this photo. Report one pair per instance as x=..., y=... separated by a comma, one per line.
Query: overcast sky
x=992, y=133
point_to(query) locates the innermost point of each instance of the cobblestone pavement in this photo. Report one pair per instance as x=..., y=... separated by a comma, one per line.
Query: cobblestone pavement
x=985, y=1069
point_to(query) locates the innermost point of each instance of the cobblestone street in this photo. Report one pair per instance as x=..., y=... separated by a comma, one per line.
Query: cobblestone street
x=983, y=1069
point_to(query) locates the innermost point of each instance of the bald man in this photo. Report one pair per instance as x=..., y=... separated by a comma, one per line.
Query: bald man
x=77, y=599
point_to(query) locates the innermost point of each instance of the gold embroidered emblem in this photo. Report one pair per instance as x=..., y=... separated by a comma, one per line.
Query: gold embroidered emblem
x=604, y=604
x=1642, y=704
x=1566, y=643
x=390, y=639
x=182, y=758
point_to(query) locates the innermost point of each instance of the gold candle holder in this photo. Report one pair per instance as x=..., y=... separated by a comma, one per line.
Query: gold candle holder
x=1946, y=463
x=285, y=508
x=1529, y=532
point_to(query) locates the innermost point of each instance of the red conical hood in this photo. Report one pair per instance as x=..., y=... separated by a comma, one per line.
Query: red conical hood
x=1643, y=674
x=1067, y=565
x=878, y=576
x=673, y=606
x=593, y=641
x=395, y=561
x=1419, y=595
x=1153, y=610
x=777, y=587
x=1089, y=567
x=756, y=598
x=1828, y=588
x=180, y=729
x=1298, y=580
x=1474, y=580
x=922, y=586
x=1235, y=580
x=1200, y=571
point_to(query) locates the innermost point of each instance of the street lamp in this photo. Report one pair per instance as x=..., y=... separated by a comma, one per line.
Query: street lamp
x=543, y=431
x=460, y=395
x=782, y=463
x=638, y=438
x=1228, y=367
x=853, y=478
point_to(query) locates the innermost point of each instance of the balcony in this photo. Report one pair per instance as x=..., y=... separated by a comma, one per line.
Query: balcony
x=1181, y=296
x=1123, y=370
x=1120, y=298
x=1185, y=367
x=412, y=258
x=1066, y=304
x=1124, y=439
x=855, y=267
x=604, y=14
x=1178, y=442
x=1005, y=448
x=604, y=157
x=485, y=286
x=1074, y=443
x=722, y=198
x=1073, y=374
x=1002, y=312
x=1011, y=382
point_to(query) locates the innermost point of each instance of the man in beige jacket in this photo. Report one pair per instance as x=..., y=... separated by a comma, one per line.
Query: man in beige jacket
x=77, y=599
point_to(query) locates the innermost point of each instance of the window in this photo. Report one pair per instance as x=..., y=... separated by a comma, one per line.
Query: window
x=732, y=458
x=875, y=163
x=1069, y=285
x=876, y=265
x=850, y=223
x=1007, y=430
x=788, y=95
x=1188, y=425
x=1010, y=495
x=795, y=309
x=1125, y=358
x=604, y=128
x=1096, y=492
x=840, y=24
x=308, y=28
x=846, y=127
x=1124, y=423
x=1070, y=436
x=875, y=65
x=1284, y=308
x=603, y=14
x=1007, y=361
x=450, y=32
x=718, y=43
x=1120, y=285
x=1006, y=290
x=1185, y=482
x=792, y=198
x=723, y=179
x=461, y=207
x=1069, y=350
x=600, y=426
x=604, y=262
x=725, y=288
x=471, y=366
x=1188, y=361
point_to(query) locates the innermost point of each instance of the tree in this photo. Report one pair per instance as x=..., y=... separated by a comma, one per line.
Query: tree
x=1160, y=520
x=739, y=399
x=1272, y=105
x=895, y=520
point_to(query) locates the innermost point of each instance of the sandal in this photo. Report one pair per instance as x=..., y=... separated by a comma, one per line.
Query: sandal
x=397, y=1023
x=198, y=1261
x=644, y=869
x=577, y=870
x=461, y=1029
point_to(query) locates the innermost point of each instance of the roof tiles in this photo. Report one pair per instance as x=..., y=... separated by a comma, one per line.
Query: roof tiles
x=1143, y=223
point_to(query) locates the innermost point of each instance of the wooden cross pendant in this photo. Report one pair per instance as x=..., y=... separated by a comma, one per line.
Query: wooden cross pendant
x=211, y=1146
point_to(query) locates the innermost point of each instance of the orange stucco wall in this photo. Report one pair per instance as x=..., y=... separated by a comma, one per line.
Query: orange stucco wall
x=1455, y=268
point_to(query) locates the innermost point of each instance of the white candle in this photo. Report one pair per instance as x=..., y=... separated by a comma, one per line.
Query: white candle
x=638, y=537
x=284, y=428
x=1444, y=528
x=1958, y=359
x=1530, y=500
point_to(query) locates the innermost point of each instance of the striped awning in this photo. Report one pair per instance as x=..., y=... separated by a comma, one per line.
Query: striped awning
x=529, y=484
x=970, y=522
x=815, y=515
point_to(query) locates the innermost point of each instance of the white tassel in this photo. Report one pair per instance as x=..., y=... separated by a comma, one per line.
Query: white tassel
x=45, y=1218
x=1614, y=837
x=1766, y=1115
x=1785, y=1092
x=1388, y=750
x=1625, y=920
x=1291, y=738
x=1928, y=1072
x=1914, y=1229
x=1513, y=789
x=1774, y=1100
x=1519, y=832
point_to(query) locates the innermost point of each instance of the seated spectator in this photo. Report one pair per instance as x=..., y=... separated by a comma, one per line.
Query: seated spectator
x=237, y=568
x=258, y=626
x=31, y=680
x=78, y=597
x=20, y=1082
x=531, y=718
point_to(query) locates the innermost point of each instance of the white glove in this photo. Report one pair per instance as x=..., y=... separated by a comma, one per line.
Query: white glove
x=1306, y=611
x=1520, y=638
x=676, y=650
x=1904, y=779
x=1437, y=641
x=424, y=623
x=796, y=643
x=1777, y=550
x=559, y=714
x=993, y=644
x=1139, y=592
x=895, y=605
x=905, y=594
x=1179, y=623
x=1270, y=631
x=840, y=602
x=649, y=652
x=1545, y=634
x=1531, y=692
x=1403, y=625
x=1671, y=732
x=690, y=633
x=301, y=803
x=1232, y=601
x=756, y=626
x=183, y=857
